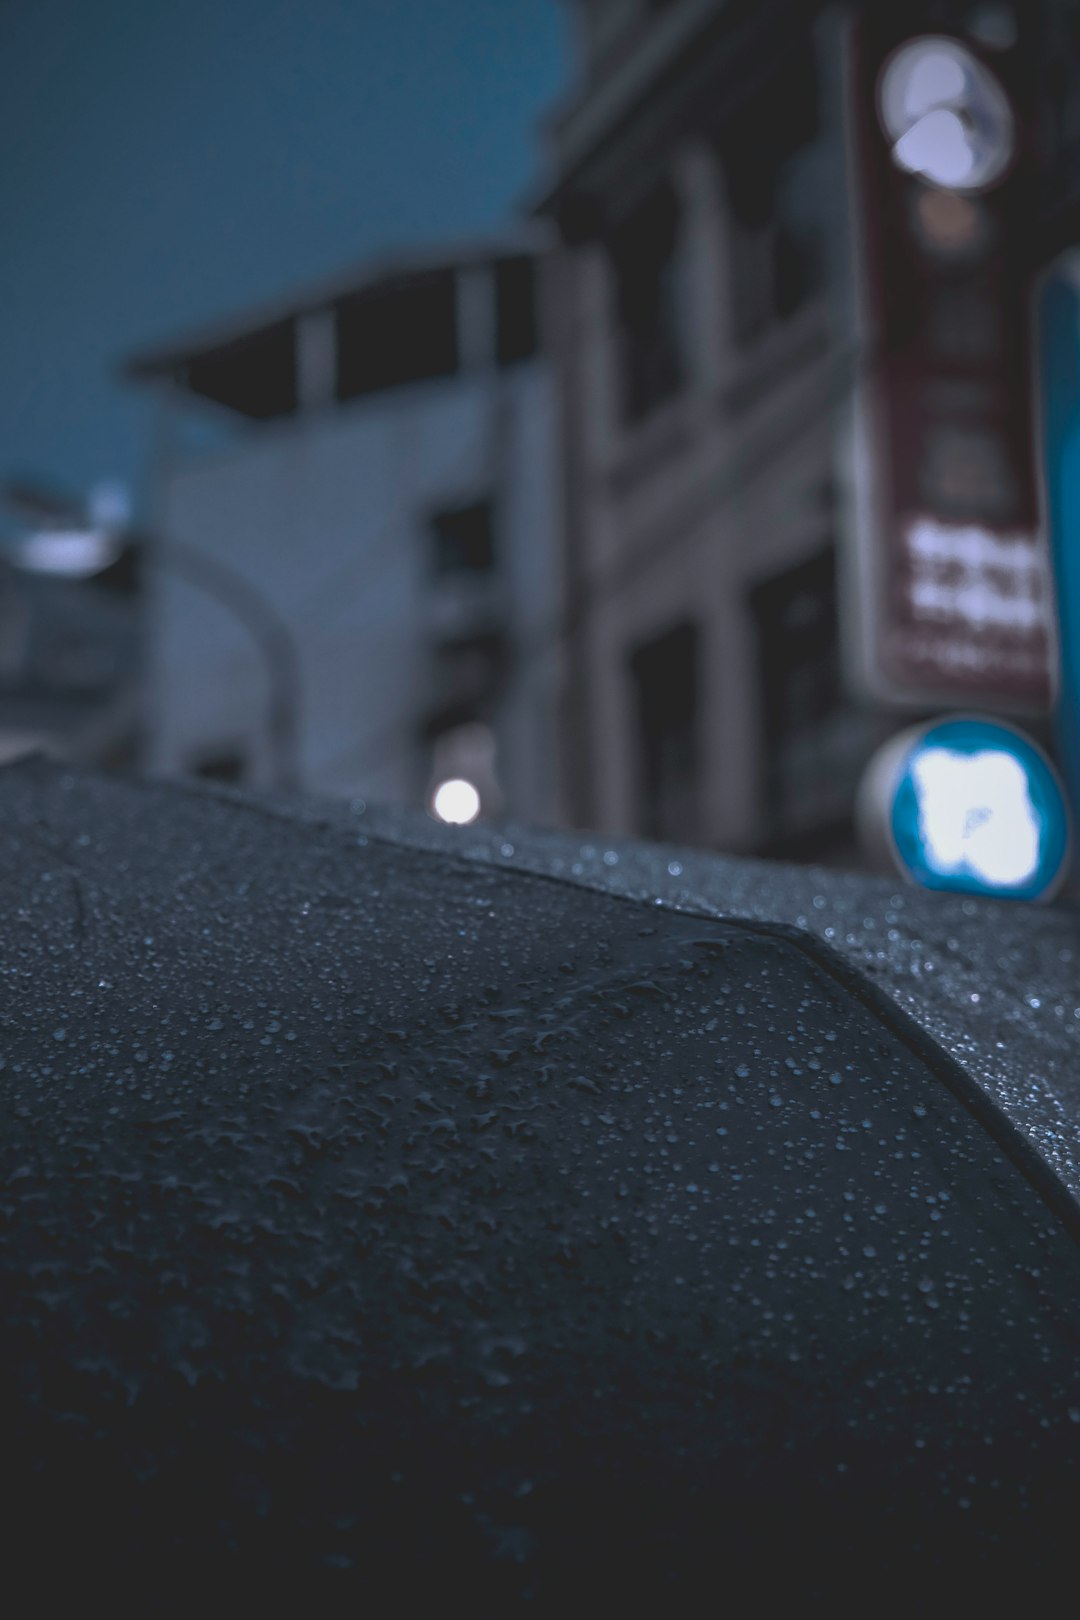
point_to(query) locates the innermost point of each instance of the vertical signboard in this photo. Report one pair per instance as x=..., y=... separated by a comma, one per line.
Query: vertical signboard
x=1058, y=329
x=952, y=590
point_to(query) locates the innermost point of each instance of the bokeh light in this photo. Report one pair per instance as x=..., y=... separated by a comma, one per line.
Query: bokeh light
x=946, y=115
x=456, y=802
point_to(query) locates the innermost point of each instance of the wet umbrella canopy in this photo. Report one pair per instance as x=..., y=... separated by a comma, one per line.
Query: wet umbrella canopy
x=399, y=1219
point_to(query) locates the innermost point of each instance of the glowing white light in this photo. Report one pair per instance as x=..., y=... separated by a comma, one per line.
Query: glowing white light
x=946, y=115
x=456, y=801
x=967, y=574
x=975, y=815
x=939, y=147
x=972, y=546
x=937, y=80
x=69, y=553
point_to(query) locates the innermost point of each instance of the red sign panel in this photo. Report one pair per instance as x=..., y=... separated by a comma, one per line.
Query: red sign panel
x=954, y=592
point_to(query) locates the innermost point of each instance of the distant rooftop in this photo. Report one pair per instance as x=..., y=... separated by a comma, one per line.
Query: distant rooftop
x=395, y=320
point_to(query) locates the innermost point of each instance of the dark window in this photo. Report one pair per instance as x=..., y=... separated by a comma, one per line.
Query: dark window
x=464, y=540
x=515, y=310
x=255, y=374
x=665, y=677
x=124, y=576
x=773, y=201
x=226, y=765
x=119, y=755
x=796, y=617
x=468, y=674
x=815, y=742
x=648, y=297
x=402, y=332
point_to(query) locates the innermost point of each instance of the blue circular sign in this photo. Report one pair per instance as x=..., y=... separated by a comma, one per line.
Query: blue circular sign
x=977, y=807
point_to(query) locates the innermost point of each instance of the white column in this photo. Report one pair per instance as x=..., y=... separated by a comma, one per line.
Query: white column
x=598, y=339
x=476, y=317
x=316, y=359
x=706, y=264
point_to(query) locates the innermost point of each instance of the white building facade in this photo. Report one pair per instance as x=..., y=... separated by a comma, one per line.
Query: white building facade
x=371, y=473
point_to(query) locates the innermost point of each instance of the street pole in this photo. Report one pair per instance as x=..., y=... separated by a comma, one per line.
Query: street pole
x=268, y=630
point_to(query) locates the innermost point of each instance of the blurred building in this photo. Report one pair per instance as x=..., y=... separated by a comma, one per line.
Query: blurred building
x=800, y=492
x=369, y=469
x=71, y=652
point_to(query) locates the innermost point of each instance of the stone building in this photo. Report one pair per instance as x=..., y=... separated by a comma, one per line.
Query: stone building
x=799, y=494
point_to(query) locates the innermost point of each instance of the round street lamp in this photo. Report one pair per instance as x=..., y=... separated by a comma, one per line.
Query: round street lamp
x=948, y=119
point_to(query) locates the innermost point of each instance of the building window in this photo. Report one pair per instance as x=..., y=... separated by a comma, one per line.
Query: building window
x=814, y=741
x=254, y=375
x=515, y=310
x=403, y=331
x=223, y=765
x=646, y=266
x=665, y=679
x=767, y=160
x=463, y=540
x=468, y=673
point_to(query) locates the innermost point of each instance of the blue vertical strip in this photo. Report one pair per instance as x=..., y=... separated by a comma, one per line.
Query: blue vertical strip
x=1059, y=388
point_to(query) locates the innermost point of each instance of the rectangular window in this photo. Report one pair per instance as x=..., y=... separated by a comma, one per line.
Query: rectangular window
x=665, y=678
x=254, y=375
x=646, y=266
x=403, y=331
x=772, y=196
x=515, y=310
x=468, y=673
x=463, y=540
x=814, y=741
x=225, y=765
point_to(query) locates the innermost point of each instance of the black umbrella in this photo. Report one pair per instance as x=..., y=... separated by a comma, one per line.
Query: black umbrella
x=401, y=1221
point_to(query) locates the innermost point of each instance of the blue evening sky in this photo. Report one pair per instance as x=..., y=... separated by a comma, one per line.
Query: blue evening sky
x=164, y=162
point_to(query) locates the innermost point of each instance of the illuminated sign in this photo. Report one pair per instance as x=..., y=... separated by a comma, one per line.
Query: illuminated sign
x=949, y=599
x=971, y=805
